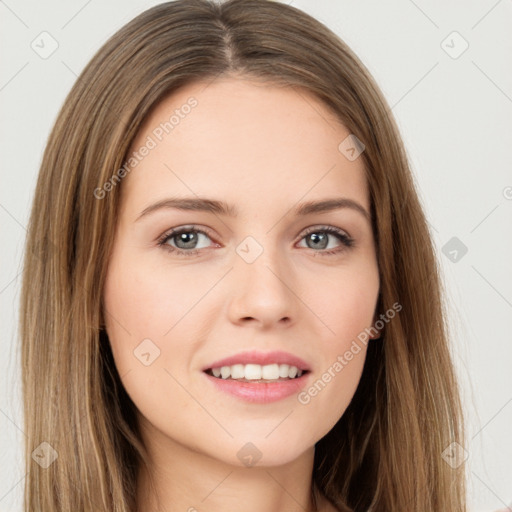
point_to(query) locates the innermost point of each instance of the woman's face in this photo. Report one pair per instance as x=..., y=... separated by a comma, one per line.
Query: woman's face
x=262, y=283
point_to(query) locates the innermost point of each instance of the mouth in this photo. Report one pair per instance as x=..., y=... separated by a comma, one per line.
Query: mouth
x=258, y=384
x=259, y=377
x=256, y=373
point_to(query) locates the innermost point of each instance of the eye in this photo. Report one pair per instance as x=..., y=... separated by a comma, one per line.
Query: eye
x=319, y=239
x=185, y=240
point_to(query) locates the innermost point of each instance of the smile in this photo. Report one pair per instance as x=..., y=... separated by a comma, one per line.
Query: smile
x=256, y=372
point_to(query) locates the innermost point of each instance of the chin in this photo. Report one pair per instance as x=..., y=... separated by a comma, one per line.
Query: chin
x=261, y=451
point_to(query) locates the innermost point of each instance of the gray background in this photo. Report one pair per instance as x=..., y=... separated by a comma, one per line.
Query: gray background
x=454, y=112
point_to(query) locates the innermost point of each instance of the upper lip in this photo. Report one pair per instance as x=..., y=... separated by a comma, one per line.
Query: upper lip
x=261, y=358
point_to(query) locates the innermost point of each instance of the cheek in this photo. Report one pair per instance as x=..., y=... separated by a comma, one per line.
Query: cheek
x=343, y=350
x=140, y=309
x=141, y=302
x=330, y=393
x=346, y=306
x=152, y=324
x=344, y=302
x=350, y=313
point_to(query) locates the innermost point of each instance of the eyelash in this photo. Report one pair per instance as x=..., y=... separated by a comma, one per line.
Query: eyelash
x=346, y=240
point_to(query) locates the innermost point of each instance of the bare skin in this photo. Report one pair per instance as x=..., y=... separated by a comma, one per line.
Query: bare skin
x=265, y=150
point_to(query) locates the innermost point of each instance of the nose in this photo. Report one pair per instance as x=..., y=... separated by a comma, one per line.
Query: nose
x=262, y=292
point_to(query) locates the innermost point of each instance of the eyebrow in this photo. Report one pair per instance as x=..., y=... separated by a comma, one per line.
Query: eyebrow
x=219, y=207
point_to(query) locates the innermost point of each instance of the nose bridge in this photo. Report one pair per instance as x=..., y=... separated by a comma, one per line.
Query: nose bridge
x=262, y=281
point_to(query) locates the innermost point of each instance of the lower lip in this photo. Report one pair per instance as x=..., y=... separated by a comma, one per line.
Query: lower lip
x=260, y=392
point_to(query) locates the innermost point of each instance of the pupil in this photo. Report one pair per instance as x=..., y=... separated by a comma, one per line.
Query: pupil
x=319, y=238
x=192, y=238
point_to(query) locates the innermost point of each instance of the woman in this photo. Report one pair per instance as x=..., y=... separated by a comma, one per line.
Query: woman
x=230, y=291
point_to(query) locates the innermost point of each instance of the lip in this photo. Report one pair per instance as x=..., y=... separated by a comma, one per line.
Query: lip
x=261, y=358
x=260, y=392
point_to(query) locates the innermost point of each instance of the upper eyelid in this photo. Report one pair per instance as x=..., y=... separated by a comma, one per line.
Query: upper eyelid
x=320, y=227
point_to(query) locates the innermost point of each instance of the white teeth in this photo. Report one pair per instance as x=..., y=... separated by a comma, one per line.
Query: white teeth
x=283, y=370
x=257, y=372
x=270, y=371
x=252, y=372
x=237, y=371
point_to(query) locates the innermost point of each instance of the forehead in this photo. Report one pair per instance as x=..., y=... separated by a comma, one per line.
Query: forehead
x=244, y=142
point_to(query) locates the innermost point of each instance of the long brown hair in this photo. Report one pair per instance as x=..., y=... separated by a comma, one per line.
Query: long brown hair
x=386, y=451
